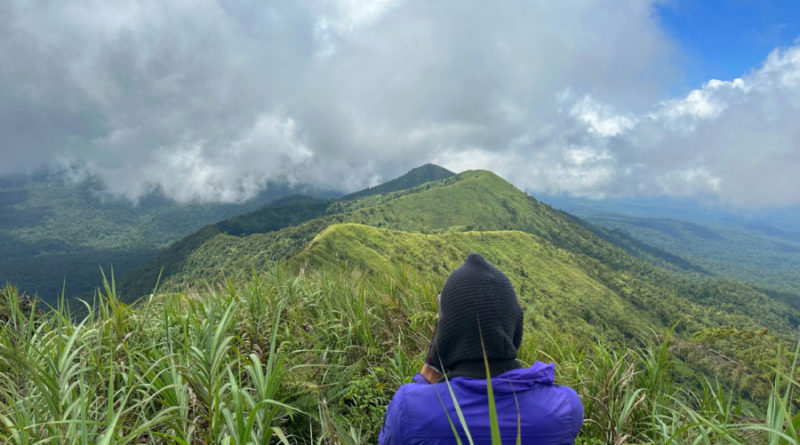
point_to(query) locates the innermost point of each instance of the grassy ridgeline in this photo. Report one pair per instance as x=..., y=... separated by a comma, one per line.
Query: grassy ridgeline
x=554, y=260
x=473, y=200
x=314, y=358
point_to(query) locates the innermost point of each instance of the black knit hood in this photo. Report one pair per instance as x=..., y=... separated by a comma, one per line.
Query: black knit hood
x=477, y=300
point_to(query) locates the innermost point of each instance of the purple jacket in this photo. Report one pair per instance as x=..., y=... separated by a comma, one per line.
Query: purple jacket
x=549, y=413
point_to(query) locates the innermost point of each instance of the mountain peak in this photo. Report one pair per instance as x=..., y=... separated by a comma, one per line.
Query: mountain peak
x=429, y=170
x=414, y=177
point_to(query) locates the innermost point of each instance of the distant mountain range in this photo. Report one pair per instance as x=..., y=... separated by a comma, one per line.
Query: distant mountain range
x=743, y=247
x=55, y=233
x=703, y=210
x=569, y=272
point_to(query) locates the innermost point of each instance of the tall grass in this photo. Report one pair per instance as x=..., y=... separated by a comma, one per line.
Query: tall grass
x=314, y=358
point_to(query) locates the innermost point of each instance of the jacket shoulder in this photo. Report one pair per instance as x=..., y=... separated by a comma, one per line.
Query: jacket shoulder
x=576, y=407
x=563, y=407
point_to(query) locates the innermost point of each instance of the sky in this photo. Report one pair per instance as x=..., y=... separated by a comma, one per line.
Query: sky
x=724, y=39
x=211, y=100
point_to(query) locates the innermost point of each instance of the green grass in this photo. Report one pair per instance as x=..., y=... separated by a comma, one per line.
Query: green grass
x=314, y=357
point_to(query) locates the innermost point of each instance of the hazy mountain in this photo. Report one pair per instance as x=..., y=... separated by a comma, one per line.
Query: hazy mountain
x=56, y=232
x=698, y=210
x=750, y=248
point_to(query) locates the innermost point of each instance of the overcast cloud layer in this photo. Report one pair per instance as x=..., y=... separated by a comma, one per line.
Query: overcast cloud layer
x=211, y=100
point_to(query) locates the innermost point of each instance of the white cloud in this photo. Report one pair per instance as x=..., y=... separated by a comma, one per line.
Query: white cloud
x=271, y=149
x=600, y=118
x=781, y=68
x=173, y=94
x=704, y=103
x=734, y=139
x=584, y=155
x=688, y=181
x=737, y=140
x=353, y=15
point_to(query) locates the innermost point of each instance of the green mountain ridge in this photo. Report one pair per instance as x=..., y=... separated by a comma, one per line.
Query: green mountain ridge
x=560, y=288
x=479, y=211
x=501, y=206
x=283, y=213
x=418, y=175
x=454, y=203
x=552, y=283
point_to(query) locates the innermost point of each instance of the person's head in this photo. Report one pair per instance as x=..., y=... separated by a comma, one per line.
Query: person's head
x=477, y=302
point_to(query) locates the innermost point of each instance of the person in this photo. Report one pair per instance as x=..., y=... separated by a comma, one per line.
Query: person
x=480, y=317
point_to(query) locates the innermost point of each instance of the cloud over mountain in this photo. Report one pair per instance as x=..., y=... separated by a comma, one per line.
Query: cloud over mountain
x=735, y=139
x=210, y=100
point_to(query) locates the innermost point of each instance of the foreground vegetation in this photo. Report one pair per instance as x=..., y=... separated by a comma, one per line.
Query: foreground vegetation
x=315, y=356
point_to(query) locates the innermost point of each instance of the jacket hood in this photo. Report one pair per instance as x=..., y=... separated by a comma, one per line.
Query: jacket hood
x=512, y=381
x=479, y=316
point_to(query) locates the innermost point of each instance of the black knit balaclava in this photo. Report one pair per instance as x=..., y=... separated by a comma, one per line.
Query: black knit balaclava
x=477, y=300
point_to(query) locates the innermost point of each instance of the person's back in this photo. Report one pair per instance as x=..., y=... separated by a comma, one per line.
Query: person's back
x=548, y=413
x=480, y=320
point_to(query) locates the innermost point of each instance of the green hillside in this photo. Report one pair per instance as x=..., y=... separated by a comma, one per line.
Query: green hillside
x=455, y=209
x=269, y=233
x=183, y=254
x=476, y=200
x=635, y=247
x=552, y=283
x=558, y=287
